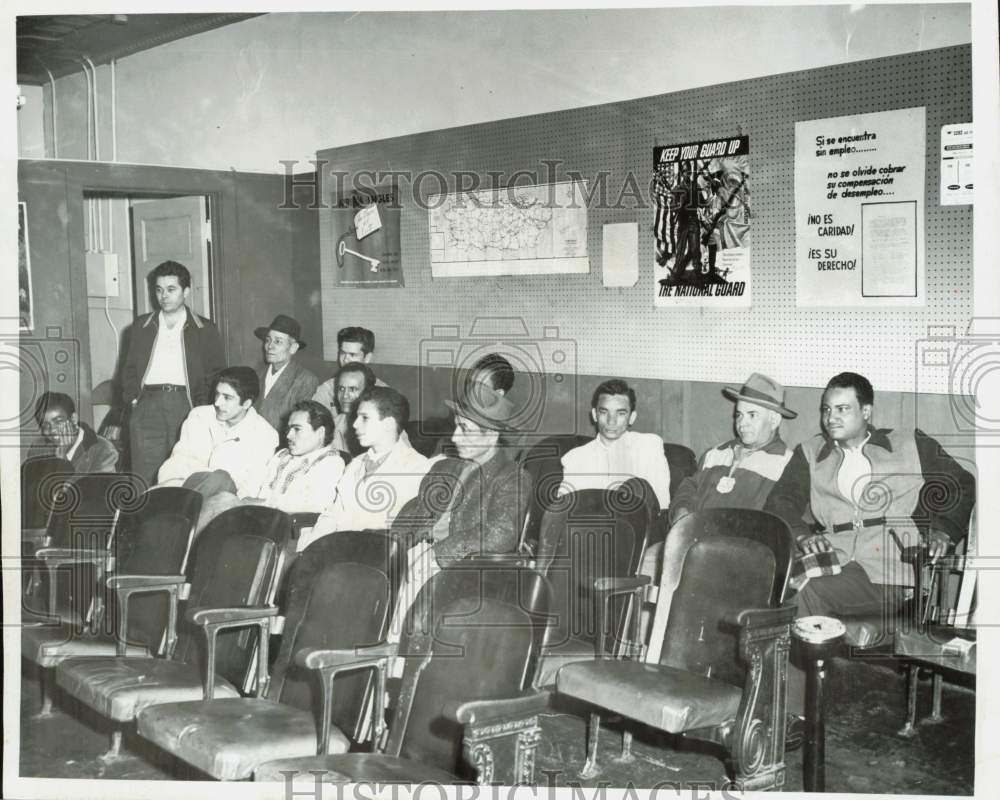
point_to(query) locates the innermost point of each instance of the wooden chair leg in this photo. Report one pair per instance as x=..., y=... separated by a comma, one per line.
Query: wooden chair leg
x=626, y=754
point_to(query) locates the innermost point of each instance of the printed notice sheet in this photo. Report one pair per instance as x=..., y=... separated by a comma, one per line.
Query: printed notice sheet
x=859, y=209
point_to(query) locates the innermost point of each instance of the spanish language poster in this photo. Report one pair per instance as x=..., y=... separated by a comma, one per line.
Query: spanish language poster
x=701, y=223
x=859, y=209
x=366, y=238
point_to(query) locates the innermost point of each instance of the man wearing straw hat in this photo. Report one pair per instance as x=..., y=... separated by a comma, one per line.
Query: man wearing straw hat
x=740, y=473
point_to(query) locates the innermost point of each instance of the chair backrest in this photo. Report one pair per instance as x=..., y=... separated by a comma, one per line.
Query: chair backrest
x=543, y=463
x=235, y=561
x=716, y=563
x=153, y=539
x=341, y=593
x=40, y=478
x=682, y=462
x=84, y=511
x=591, y=534
x=474, y=633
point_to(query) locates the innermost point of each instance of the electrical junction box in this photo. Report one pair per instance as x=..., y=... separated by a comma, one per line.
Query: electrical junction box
x=102, y=274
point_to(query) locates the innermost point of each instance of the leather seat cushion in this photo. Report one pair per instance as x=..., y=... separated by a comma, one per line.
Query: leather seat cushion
x=228, y=738
x=352, y=768
x=48, y=645
x=669, y=699
x=929, y=647
x=554, y=658
x=120, y=687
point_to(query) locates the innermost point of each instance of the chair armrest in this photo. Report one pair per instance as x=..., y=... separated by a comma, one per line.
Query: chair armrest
x=765, y=639
x=757, y=618
x=342, y=660
x=55, y=557
x=475, y=712
x=58, y=556
x=37, y=537
x=213, y=620
x=605, y=589
x=331, y=662
x=124, y=586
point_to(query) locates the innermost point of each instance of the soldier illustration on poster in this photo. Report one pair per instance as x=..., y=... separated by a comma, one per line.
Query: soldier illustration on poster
x=701, y=227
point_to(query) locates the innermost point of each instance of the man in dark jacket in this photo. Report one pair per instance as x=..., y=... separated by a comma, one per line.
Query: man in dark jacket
x=283, y=381
x=66, y=437
x=172, y=356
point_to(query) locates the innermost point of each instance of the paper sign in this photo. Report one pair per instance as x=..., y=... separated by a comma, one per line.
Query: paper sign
x=367, y=221
x=956, y=164
x=620, y=258
x=859, y=197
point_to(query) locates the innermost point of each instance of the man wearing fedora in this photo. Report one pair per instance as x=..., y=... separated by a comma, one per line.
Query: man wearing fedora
x=283, y=382
x=742, y=472
x=474, y=504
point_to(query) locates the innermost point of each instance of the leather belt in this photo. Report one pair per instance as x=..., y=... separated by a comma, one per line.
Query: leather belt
x=850, y=526
x=163, y=387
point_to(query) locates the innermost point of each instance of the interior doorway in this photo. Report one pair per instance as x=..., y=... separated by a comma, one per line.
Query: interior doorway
x=126, y=236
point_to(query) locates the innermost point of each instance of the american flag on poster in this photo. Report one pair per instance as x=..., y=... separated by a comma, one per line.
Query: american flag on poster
x=701, y=223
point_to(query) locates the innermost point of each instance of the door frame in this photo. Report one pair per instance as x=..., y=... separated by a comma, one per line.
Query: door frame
x=132, y=180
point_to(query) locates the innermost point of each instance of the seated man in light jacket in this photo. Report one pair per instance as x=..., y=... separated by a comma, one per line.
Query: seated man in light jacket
x=376, y=485
x=299, y=478
x=224, y=446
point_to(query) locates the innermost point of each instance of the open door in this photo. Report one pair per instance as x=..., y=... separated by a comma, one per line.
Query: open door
x=172, y=229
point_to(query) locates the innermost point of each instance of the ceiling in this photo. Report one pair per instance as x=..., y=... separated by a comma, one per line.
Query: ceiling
x=57, y=42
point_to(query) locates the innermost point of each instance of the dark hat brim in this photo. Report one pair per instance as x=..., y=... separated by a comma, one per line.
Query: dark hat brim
x=477, y=416
x=736, y=395
x=261, y=333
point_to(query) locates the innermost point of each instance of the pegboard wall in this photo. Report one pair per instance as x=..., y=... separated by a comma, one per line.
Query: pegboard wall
x=618, y=331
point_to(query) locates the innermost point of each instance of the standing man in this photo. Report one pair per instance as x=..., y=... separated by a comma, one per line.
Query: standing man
x=172, y=357
x=340, y=395
x=740, y=473
x=283, y=381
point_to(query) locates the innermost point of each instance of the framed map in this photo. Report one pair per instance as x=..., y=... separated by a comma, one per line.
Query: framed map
x=523, y=230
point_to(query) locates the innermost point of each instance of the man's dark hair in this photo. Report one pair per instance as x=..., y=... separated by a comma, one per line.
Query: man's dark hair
x=319, y=417
x=166, y=268
x=500, y=370
x=389, y=403
x=359, y=366
x=859, y=383
x=243, y=380
x=355, y=334
x=51, y=400
x=614, y=386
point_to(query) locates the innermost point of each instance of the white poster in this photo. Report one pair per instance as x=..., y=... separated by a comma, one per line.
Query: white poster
x=859, y=209
x=956, y=164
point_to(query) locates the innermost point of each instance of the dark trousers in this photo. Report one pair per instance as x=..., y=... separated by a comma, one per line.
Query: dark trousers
x=154, y=427
x=847, y=594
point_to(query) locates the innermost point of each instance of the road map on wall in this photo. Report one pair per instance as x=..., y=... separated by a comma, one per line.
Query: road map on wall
x=522, y=230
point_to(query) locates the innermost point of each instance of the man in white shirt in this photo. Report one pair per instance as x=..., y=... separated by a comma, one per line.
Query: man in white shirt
x=283, y=380
x=171, y=357
x=376, y=485
x=616, y=453
x=225, y=446
x=300, y=478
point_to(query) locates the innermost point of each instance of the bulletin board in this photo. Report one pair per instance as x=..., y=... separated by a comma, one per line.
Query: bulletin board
x=618, y=330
